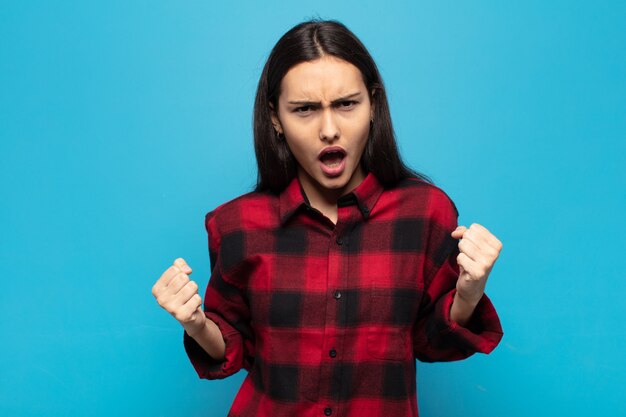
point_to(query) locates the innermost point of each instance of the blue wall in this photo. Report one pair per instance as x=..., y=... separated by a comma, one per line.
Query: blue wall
x=122, y=123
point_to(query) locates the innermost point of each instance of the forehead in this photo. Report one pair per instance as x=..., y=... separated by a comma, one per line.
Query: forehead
x=325, y=77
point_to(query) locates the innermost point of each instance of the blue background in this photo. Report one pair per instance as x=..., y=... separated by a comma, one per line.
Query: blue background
x=123, y=123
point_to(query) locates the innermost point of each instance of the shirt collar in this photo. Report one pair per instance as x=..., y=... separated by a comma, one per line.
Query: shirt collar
x=366, y=195
x=291, y=198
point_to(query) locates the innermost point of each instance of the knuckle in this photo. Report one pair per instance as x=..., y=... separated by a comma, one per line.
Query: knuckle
x=179, y=279
x=179, y=315
x=166, y=304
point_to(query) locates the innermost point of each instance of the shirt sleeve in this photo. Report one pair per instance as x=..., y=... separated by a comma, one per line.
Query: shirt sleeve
x=226, y=305
x=435, y=336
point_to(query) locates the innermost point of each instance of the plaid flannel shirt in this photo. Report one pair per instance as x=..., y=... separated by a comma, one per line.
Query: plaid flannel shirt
x=329, y=319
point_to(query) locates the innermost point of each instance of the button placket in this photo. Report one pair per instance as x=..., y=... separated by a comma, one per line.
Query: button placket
x=337, y=279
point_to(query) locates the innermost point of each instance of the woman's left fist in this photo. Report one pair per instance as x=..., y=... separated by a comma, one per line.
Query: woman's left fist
x=479, y=250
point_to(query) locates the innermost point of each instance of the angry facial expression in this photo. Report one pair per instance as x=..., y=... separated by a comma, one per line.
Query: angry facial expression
x=324, y=112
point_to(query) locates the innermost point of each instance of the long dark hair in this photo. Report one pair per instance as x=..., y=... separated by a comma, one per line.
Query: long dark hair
x=309, y=41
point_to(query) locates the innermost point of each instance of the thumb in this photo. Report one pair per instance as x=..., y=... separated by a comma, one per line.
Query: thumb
x=463, y=274
x=458, y=232
x=180, y=262
x=199, y=311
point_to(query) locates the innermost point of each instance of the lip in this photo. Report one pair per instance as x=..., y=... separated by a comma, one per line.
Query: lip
x=337, y=170
x=328, y=149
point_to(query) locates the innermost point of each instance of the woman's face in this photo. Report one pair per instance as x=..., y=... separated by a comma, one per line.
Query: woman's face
x=324, y=111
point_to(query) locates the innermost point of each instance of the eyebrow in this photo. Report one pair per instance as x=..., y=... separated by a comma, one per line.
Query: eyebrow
x=308, y=103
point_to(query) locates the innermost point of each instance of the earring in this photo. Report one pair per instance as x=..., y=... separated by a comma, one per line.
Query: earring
x=279, y=135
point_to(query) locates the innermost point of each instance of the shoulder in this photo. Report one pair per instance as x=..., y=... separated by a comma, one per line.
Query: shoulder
x=432, y=201
x=247, y=211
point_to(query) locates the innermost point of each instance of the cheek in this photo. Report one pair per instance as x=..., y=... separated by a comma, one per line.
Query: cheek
x=298, y=147
x=361, y=135
x=299, y=138
x=294, y=132
x=360, y=125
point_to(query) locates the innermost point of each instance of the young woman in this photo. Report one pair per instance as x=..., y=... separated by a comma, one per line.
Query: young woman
x=343, y=266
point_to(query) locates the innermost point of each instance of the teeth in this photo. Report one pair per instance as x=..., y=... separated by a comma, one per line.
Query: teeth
x=332, y=160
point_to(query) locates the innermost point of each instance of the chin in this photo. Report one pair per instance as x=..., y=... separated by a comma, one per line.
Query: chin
x=336, y=183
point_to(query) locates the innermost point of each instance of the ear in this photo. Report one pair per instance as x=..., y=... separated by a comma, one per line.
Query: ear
x=275, y=120
x=372, y=105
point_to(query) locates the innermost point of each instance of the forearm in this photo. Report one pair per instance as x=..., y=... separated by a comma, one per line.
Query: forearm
x=461, y=310
x=210, y=338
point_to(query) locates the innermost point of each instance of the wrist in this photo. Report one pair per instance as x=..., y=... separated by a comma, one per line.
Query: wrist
x=210, y=338
x=467, y=300
x=462, y=309
x=194, y=329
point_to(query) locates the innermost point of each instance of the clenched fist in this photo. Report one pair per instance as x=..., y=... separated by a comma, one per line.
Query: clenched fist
x=178, y=295
x=478, y=251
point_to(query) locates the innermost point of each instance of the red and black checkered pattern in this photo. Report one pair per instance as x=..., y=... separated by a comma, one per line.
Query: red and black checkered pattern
x=328, y=319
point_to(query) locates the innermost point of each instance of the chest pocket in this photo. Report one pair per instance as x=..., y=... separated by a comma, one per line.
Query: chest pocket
x=392, y=312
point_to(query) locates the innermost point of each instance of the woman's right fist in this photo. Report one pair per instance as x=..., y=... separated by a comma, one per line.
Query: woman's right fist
x=178, y=295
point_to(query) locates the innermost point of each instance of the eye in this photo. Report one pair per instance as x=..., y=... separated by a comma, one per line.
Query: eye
x=347, y=104
x=304, y=110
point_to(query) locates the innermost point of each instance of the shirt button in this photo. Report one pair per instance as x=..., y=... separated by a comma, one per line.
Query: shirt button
x=328, y=411
x=332, y=353
x=337, y=295
x=339, y=240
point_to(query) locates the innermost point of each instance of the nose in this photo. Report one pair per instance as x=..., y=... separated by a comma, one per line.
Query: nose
x=329, y=130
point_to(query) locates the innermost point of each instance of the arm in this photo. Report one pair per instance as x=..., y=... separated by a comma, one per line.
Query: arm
x=456, y=319
x=178, y=295
x=479, y=251
x=227, y=316
x=210, y=338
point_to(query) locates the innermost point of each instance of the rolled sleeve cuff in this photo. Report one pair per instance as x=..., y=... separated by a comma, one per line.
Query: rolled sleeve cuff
x=482, y=333
x=205, y=365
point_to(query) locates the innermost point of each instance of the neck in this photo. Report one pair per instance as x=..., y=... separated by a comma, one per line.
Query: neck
x=325, y=199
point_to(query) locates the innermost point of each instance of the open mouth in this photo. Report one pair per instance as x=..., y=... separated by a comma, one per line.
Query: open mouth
x=333, y=161
x=332, y=157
